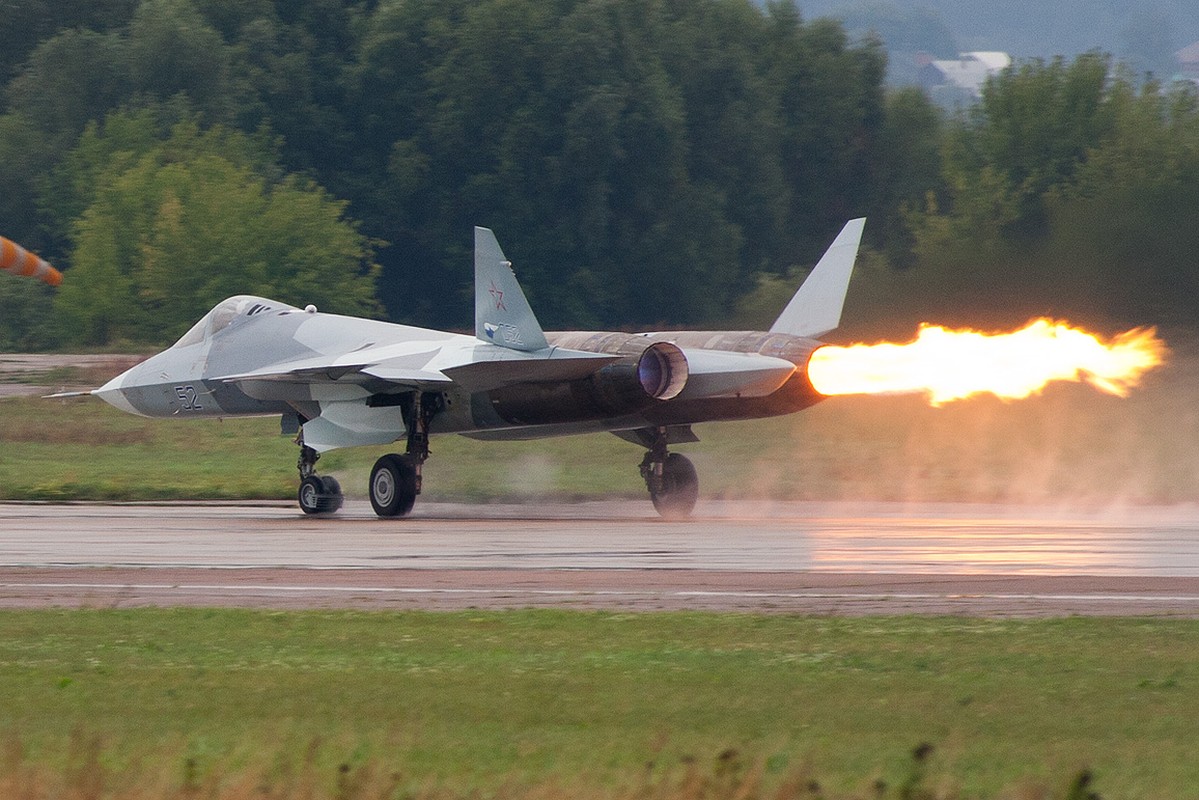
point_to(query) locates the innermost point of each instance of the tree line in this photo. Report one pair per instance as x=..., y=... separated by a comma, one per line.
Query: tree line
x=644, y=162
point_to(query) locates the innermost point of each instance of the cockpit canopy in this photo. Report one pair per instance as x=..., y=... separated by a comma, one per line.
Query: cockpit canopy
x=223, y=314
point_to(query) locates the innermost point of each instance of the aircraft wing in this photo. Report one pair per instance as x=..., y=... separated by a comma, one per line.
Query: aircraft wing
x=314, y=371
x=478, y=368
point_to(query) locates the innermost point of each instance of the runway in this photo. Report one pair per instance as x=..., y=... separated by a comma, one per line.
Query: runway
x=835, y=558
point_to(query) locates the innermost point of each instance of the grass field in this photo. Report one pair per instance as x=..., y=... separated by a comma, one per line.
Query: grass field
x=1069, y=446
x=240, y=704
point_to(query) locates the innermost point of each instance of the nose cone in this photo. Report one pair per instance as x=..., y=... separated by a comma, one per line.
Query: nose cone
x=114, y=395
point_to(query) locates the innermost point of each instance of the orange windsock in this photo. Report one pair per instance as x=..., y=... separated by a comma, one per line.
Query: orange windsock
x=17, y=259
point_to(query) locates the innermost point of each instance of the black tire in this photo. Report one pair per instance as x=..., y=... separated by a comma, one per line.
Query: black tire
x=333, y=493
x=315, y=498
x=393, y=486
x=680, y=488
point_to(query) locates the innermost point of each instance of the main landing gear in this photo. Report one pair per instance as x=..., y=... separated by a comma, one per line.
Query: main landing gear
x=395, y=479
x=671, y=479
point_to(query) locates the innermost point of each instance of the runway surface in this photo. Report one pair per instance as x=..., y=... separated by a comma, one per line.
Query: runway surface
x=789, y=557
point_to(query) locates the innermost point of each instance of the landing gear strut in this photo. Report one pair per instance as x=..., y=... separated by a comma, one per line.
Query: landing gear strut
x=318, y=495
x=671, y=479
x=395, y=479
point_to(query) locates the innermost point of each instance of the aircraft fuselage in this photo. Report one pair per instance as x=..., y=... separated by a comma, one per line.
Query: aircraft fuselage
x=191, y=378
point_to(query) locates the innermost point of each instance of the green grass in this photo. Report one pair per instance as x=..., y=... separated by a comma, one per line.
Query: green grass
x=1069, y=446
x=486, y=700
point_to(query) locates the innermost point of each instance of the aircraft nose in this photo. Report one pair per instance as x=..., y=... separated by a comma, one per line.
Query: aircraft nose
x=114, y=395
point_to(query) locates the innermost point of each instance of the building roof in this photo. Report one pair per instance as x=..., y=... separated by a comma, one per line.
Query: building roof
x=1188, y=54
x=971, y=70
x=994, y=59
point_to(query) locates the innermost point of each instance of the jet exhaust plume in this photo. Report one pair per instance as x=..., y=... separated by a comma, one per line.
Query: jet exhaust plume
x=954, y=364
x=18, y=260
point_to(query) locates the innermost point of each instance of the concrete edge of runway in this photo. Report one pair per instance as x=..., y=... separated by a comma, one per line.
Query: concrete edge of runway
x=852, y=594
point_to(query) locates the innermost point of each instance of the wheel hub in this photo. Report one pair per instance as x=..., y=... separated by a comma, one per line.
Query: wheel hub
x=384, y=487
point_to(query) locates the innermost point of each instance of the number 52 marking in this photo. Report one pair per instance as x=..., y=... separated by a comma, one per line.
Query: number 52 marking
x=187, y=398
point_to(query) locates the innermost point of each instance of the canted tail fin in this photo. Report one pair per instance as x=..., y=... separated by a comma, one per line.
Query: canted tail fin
x=816, y=306
x=502, y=314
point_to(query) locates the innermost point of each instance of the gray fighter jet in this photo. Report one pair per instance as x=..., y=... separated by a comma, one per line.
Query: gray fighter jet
x=344, y=381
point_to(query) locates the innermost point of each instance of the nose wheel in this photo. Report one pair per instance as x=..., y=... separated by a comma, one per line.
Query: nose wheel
x=319, y=494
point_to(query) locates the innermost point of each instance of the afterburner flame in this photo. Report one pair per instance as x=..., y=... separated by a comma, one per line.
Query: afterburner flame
x=954, y=364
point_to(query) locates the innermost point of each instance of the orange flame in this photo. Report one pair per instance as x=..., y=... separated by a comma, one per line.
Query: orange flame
x=954, y=364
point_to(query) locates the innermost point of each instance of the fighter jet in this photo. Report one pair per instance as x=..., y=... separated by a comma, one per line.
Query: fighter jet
x=341, y=381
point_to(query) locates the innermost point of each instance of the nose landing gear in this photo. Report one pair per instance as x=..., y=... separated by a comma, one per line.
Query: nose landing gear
x=318, y=494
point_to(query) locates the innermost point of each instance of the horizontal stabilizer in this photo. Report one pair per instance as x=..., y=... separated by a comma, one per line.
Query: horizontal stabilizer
x=816, y=307
x=502, y=314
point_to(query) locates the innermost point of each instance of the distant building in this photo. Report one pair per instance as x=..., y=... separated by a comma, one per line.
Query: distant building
x=1188, y=63
x=960, y=81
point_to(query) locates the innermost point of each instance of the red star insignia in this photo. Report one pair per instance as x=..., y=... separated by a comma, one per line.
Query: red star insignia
x=497, y=295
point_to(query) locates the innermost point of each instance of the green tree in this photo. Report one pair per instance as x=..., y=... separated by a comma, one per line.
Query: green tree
x=126, y=136
x=27, y=23
x=641, y=160
x=1069, y=191
x=173, y=50
x=1032, y=130
x=909, y=172
x=286, y=68
x=71, y=78
x=1125, y=225
x=176, y=228
x=25, y=160
x=831, y=109
x=26, y=315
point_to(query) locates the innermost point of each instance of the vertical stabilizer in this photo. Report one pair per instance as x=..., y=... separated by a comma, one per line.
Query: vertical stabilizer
x=816, y=306
x=502, y=314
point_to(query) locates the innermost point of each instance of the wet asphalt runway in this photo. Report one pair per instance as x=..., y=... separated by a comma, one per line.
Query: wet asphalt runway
x=776, y=557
